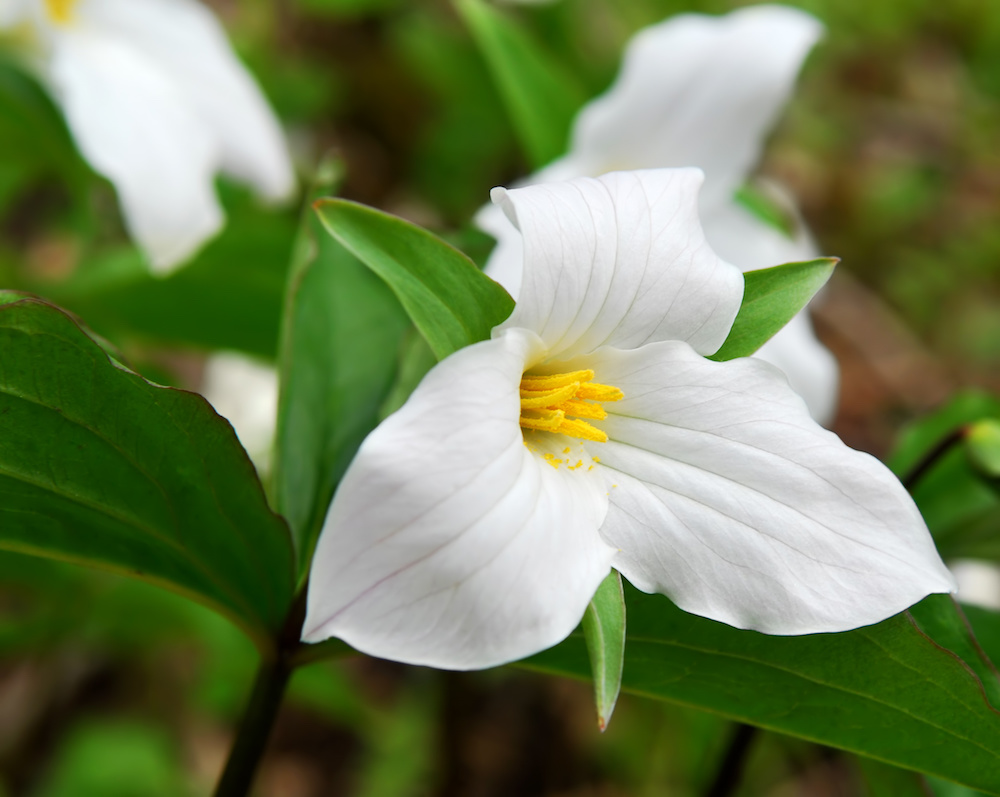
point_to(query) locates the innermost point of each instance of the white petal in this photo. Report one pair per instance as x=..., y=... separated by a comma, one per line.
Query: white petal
x=506, y=261
x=728, y=498
x=750, y=243
x=811, y=368
x=184, y=40
x=13, y=12
x=619, y=261
x=133, y=127
x=449, y=543
x=698, y=91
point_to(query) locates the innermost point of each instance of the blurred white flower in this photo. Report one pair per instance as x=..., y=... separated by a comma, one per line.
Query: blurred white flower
x=475, y=524
x=702, y=91
x=158, y=103
x=978, y=582
x=245, y=392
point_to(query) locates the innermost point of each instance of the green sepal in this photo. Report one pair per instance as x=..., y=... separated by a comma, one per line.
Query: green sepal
x=450, y=301
x=604, y=632
x=771, y=298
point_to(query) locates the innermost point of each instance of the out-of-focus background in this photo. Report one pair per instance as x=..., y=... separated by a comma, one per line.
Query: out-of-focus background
x=108, y=687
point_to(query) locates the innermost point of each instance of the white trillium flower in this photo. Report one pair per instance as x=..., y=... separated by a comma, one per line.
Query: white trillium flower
x=476, y=523
x=158, y=103
x=701, y=91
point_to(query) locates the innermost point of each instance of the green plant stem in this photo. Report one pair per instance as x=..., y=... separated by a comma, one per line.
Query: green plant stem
x=731, y=768
x=262, y=709
x=931, y=458
x=255, y=729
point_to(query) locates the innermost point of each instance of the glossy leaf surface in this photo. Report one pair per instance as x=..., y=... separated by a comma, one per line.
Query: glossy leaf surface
x=100, y=467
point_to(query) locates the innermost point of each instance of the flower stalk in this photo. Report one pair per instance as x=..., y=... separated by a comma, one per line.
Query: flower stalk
x=262, y=709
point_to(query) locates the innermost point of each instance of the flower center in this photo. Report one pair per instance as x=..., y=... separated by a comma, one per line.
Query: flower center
x=556, y=402
x=60, y=11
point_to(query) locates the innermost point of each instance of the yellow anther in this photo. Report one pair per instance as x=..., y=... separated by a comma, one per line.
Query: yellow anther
x=584, y=409
x=531, y=382
x=531, y=399
x=61, y=11
x=557, y=403
x=596, y=392
x=581, y=429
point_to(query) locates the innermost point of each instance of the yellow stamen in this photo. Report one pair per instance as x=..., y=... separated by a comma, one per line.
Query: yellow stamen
x=556, y=402
x=61, y=11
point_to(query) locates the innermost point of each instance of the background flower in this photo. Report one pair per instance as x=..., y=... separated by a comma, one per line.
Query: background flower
x=703, y=91
x=158, y=103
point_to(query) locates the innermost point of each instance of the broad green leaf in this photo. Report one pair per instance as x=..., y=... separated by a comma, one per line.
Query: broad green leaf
x=415, y=360
x=100, y=467
x=604, y=631
x=885, y=691
x=771, y=298
x=942, y=619
x=884, y=780
x=958, y=505
x=339, y=354
x=541, y=97
x=450, y=301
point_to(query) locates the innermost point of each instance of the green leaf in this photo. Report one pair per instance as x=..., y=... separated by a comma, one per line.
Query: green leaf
x=604, y=631
x=958, y=505
x=339, y=352
x=886, y=691
x=450, y=301
x=982, y=441
x=771, y=298
x=942, y=619
x=415, y=360
x=100, y=467
x=541, y=96
x=888, y=781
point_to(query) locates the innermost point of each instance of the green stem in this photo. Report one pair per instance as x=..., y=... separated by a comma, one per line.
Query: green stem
x=931, y=458
x=733, y=762
x=262, y=709
x=255, y=729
